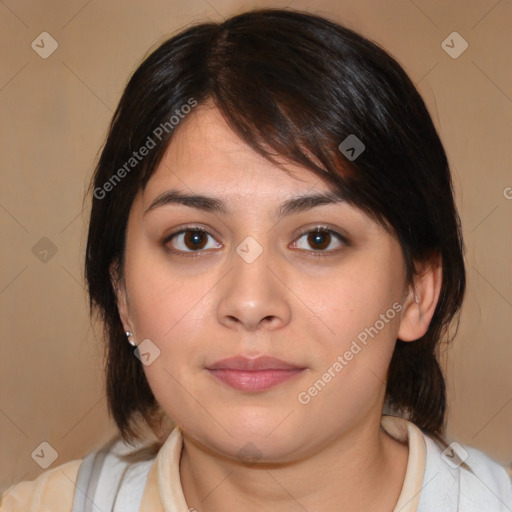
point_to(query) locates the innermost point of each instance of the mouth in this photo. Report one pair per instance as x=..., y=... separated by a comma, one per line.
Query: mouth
x=253, y=375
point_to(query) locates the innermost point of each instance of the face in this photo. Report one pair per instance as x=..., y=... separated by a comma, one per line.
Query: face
x=255, y=283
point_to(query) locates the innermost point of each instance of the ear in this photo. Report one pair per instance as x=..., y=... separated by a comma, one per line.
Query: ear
x=121, y=297
x=421, y=300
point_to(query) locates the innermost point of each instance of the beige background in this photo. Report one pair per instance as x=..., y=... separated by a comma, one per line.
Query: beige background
x=54, y=116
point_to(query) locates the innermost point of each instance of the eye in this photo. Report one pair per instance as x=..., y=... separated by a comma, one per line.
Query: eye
x=320, y=238
x=194, y=239
x=190, y=239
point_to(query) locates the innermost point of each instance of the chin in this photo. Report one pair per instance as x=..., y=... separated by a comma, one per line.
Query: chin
x=252, y=450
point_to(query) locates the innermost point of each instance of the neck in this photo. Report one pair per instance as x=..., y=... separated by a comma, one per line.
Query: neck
x=363, y=469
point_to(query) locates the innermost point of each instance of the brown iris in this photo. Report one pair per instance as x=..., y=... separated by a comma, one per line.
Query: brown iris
x=194, y=238
x=320, y=239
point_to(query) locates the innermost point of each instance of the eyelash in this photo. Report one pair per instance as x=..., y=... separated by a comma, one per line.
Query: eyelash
x=188, y=254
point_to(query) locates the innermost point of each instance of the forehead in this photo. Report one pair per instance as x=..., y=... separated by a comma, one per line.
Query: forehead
x=206, y=155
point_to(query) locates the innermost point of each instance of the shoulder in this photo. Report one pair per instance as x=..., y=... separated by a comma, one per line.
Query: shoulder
x=112, y=475
x=52, y=490
x=461, y=477
x=487, y=482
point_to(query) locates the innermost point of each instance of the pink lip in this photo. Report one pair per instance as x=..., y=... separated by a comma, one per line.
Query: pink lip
x=256, y=374
x=250, y=364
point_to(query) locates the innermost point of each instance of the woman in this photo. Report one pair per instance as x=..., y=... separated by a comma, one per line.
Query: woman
x=276, y=254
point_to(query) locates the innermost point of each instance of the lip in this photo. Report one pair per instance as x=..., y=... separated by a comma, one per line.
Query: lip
x=252, y=364
x=253, y=374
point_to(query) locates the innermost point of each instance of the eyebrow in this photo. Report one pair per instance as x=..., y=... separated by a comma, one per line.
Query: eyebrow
x=296, y=204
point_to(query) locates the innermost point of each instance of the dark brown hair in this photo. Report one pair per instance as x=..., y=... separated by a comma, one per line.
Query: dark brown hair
x=292, y=85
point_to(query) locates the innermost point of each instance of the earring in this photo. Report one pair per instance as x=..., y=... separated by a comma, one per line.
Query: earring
x=416, y=298
x=130, y=340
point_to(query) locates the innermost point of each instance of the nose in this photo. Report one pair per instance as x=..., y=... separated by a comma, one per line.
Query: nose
x=252, y=296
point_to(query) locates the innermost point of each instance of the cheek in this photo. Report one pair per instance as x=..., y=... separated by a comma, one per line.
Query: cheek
x=163, y=300
x=170, y=308
x=360, y=313
x=350, y=377
x=167, y=311
x=362, y=299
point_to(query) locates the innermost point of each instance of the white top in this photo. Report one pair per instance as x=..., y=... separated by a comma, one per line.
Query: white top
x=435, y=480
x=455, y=479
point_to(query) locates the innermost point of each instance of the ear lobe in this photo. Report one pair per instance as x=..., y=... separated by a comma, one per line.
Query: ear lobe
x=121, y=297
x=421, y=302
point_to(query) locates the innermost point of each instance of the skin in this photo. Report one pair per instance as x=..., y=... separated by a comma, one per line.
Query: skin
x=288, y=303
